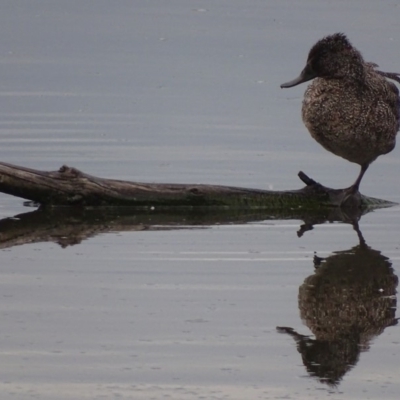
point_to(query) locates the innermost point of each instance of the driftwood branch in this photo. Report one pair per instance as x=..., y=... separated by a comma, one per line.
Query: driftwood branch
x=71, y=187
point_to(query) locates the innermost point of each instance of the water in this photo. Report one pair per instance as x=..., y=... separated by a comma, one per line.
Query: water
x=186, y=306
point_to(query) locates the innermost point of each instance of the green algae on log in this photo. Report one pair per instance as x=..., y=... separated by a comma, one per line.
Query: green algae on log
x=71, y=187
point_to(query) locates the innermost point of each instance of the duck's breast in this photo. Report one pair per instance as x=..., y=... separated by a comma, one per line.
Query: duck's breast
x=354, y=122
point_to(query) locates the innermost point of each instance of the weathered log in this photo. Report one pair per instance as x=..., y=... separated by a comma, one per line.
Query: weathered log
x=71, y=187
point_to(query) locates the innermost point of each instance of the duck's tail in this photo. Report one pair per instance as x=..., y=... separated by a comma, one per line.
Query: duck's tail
x=391, y=75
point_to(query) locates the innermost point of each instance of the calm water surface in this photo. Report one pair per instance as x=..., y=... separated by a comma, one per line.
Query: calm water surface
x=189, y=92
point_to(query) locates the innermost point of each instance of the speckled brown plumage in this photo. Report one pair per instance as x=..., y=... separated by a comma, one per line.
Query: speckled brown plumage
x=350, y=108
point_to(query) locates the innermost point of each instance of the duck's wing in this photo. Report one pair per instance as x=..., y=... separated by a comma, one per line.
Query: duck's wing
x=395, y=100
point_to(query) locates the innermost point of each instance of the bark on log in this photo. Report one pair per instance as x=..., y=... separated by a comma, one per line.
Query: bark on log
x=71, y=187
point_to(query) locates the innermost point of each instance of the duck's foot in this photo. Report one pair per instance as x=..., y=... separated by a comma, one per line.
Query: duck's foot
x=349, y=198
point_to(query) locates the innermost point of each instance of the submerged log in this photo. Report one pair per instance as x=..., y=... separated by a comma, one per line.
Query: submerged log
x=71, y=187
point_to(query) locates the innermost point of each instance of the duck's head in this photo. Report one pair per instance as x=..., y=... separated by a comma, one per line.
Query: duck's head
x=332, y=57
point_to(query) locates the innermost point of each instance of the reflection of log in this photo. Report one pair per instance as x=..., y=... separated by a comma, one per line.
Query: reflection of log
x=68, y=186
x=71, y=225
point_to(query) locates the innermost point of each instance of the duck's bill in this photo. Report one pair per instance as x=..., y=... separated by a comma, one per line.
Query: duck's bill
x=306, y=75
x=292, y=83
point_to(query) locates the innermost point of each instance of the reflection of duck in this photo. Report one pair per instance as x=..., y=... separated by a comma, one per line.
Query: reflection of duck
x=349, y=300
x=350, y=108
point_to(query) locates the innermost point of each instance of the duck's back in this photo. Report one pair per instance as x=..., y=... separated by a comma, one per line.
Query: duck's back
x=357, y=120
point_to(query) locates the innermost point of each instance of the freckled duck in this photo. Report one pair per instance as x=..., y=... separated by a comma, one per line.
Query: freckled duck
x=350, y=108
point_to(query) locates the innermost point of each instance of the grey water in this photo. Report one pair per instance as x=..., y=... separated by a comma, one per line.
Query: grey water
x=188, y=92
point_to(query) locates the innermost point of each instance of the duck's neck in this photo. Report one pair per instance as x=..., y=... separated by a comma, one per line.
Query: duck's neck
x=354, y=68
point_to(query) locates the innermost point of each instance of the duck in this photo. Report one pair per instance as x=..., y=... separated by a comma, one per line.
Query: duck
x=350, y=108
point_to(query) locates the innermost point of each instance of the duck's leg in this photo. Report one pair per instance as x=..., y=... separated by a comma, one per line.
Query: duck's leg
x=356, y=184
x=351, y=196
